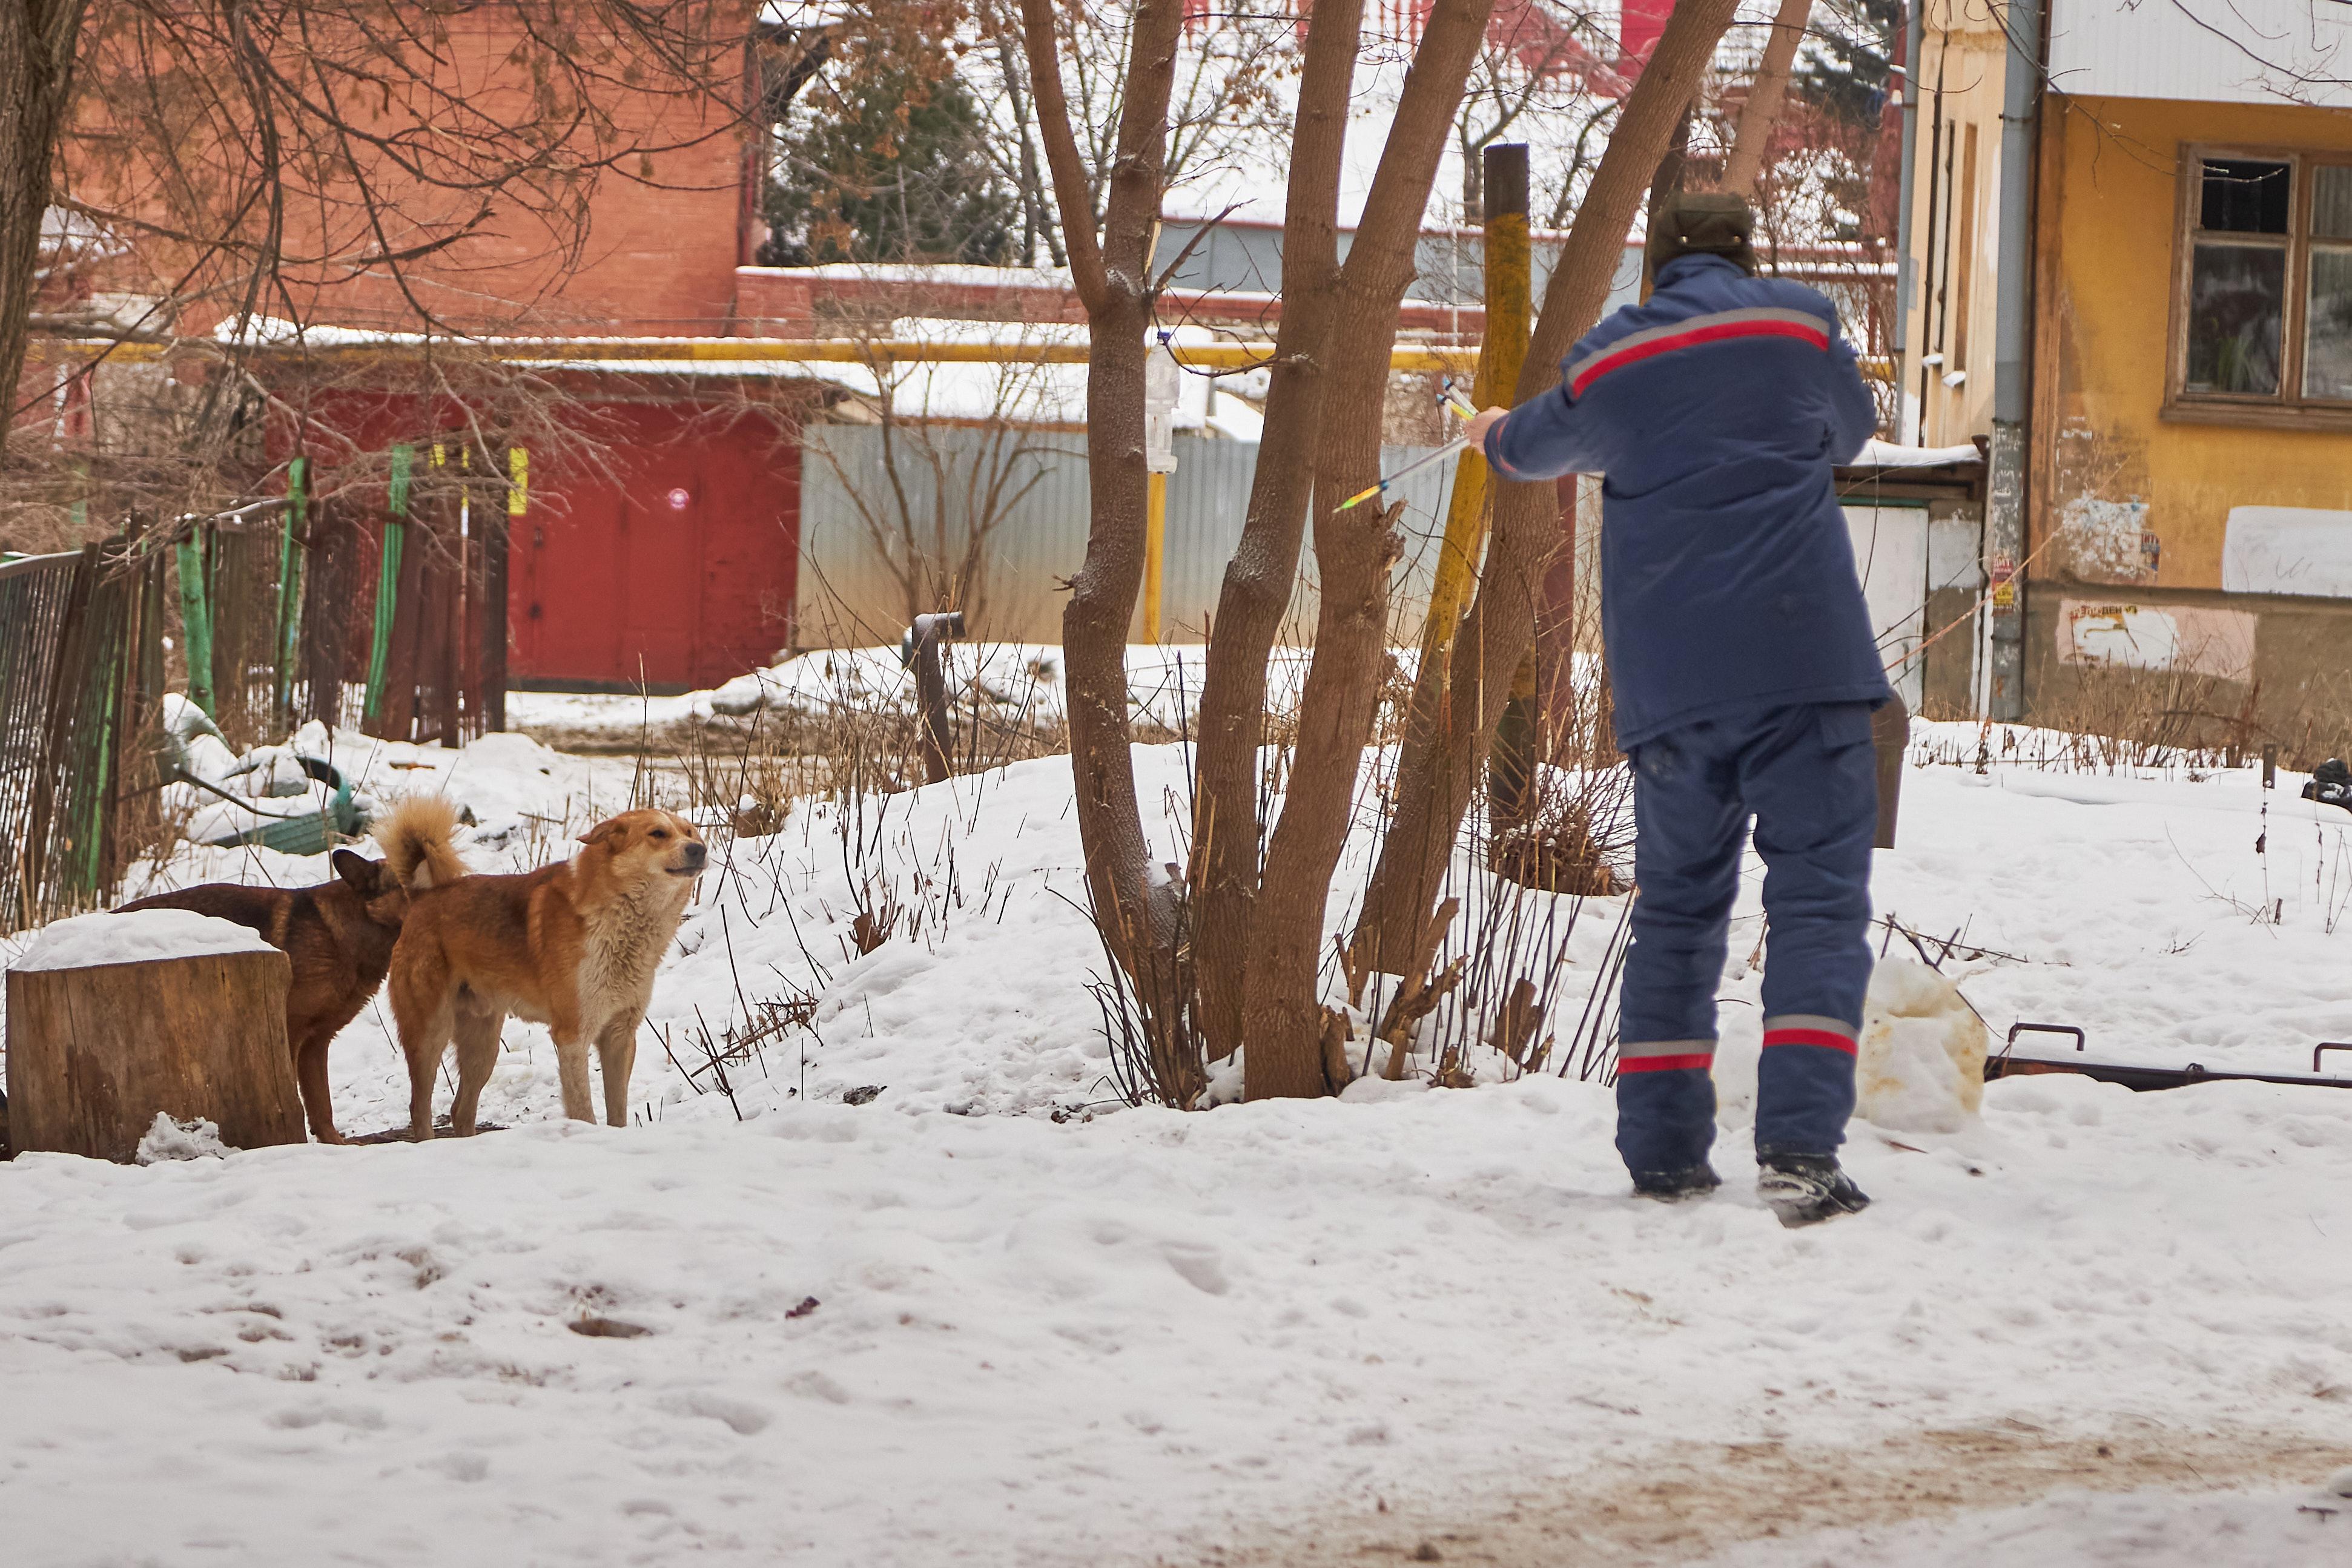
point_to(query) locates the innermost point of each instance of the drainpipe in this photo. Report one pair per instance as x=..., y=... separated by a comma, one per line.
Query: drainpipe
x=2012, y=341
x=1907, y=273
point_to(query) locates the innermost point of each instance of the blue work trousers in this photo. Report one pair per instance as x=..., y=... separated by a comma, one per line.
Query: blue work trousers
x=1808, y=776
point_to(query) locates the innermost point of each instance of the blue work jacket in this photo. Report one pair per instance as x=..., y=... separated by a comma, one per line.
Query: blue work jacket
x=1714, y=412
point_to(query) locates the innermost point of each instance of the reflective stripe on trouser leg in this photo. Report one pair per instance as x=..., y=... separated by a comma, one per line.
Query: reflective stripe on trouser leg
x=1804, y=1084
x=1665, y=1104
x=1811, y=779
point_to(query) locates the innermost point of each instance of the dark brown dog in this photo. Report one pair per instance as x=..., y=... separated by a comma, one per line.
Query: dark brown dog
x=339, y=934
x=574, y=947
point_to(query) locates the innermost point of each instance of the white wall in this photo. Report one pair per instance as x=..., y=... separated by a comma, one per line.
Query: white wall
x=2206, y=51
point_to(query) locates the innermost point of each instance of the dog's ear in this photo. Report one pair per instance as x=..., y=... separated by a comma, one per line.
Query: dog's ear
x=356, y=870
x=601, y=831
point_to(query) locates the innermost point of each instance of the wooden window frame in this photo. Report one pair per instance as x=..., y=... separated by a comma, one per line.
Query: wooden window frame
x=2288, y=408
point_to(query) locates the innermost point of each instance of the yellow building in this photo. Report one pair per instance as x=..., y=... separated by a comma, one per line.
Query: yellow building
x=2187, y=379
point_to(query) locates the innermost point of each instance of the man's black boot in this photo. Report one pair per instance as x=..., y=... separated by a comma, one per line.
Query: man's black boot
x=1674, y=1187
x=1805, y=1189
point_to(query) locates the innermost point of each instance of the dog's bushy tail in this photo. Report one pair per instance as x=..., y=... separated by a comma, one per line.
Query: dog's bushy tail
x=415, y=841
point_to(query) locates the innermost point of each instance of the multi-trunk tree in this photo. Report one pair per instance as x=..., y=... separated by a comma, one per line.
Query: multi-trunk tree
x=1224, y=953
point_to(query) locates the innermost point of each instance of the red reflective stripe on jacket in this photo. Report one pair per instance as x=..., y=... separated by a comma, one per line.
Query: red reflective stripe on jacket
x=1616, y=359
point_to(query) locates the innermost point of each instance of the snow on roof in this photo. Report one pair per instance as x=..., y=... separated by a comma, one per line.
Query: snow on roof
x=959, y=274
x=1876, y=454
x=1021, y=391
x=1031, y=334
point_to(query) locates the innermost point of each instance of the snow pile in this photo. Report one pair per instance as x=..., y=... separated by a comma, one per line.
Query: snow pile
x=197, y=745
x=295, y=782
x=1922, y=1052
x=143, y=936
x=1014, y=681
x=171, y=1139
x=1010, y=677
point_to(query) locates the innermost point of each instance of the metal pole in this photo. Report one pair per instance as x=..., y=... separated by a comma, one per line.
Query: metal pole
x=2012, y=343
x=1163, y=382
x=289, y=588
x=1907, y=272
x=1509, y=284
x=196, y=620
x=1155, y=551
x=1506, y=261
x=920, y=649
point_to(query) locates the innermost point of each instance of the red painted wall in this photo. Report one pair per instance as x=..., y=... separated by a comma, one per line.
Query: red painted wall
x=607, y=580
x=1639, y=24
x=680, y=572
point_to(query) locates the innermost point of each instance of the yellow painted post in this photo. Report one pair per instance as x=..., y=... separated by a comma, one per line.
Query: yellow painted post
x=1163, y=382
x=1507, y=264
x=1155, y=551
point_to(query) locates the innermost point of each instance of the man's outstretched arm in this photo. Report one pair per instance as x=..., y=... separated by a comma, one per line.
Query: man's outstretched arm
x=1854, y=411
x=1543, y=438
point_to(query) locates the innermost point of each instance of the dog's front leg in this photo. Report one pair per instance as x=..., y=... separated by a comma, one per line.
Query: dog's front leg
x=571, y=1034
x=310, y=1074
x=616, y=1052
x=571, y=1067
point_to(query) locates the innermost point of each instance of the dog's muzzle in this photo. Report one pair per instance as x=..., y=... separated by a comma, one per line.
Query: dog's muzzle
x=697, y=857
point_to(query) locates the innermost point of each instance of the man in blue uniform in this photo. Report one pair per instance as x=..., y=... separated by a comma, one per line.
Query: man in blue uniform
x=1745, y=671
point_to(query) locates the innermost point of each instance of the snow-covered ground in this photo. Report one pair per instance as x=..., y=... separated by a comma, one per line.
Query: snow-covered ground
x=981, y=1315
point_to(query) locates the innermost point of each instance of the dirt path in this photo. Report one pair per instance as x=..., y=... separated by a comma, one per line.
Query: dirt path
x=1652, y=1512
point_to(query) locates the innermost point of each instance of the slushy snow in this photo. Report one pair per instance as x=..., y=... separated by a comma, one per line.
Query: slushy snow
x=173, y=1139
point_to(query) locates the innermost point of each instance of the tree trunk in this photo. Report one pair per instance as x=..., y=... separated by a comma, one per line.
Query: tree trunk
x=1770, y=91
x=1434, y=790
x=94, y=1053
x=39, y=40
x=1508, y=270
x=1113, y=279
x=1258, y=580
x=1282, y=1020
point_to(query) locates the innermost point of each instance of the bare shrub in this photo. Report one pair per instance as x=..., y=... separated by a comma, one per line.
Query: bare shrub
x=2114, y=718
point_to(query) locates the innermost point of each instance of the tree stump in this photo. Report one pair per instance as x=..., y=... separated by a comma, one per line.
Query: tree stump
x=94, y=1053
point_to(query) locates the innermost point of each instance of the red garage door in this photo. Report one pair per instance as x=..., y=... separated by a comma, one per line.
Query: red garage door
x=678, y=572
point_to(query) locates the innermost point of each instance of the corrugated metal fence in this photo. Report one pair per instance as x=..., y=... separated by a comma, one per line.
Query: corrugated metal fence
x=895, y=521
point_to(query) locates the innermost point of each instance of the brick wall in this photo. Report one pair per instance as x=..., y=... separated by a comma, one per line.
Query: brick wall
x=646, y=246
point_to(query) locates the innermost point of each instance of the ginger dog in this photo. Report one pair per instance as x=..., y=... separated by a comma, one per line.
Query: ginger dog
x=574, y=947
x=339, y=935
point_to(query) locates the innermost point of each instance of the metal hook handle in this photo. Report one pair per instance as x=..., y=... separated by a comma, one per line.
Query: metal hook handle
x=2017, y=1029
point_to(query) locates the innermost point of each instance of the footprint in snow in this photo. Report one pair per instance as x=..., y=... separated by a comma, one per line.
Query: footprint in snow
x=1201, y=1266
x=740, y=1417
